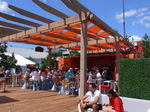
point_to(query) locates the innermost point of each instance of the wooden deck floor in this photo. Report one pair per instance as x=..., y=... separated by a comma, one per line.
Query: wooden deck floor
x=18, y=100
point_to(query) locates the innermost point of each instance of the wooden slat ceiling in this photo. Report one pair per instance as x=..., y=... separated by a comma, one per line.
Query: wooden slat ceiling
x=60, y=34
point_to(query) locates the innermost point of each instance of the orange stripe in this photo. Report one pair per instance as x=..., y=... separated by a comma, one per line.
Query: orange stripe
x=94, y=29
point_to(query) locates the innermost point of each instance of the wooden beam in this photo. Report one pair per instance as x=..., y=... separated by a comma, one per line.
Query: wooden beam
x=31, y=15
x=98, y=22
x=50, y=9
x=40, y=39
x=71, y=6
x=104, y=50
x=19, y=20
x=117, y=62
x=25, y=42
x=50, y=58
x=103, y=25
x=117, y=57
x=13, y=26
x=60, y=37
x=3, y=35
x=83, y=58
x=43, y=40
x=7, y=31
x=90, y=43
x=46, y=28
x=78, y=32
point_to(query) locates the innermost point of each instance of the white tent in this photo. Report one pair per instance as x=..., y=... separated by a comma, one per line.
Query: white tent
x=22, y=61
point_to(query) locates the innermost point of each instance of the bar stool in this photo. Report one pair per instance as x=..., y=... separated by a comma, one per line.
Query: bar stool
x=68, y=84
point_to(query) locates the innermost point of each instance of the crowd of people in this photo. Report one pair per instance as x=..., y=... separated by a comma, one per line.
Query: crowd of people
x=41, y=79
x=40, y=76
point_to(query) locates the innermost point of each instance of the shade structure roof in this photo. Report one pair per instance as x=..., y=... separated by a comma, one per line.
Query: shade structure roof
x=65, y=33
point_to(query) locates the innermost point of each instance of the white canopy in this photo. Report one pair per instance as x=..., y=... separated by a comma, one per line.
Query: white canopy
x=22, y=61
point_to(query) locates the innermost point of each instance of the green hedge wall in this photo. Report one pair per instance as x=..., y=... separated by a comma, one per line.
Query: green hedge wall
x=135, y=78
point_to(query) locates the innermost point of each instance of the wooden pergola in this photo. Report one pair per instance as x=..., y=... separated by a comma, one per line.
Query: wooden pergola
x=85, y=32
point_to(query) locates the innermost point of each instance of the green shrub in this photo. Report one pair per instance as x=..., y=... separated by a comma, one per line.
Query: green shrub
x=135, y=78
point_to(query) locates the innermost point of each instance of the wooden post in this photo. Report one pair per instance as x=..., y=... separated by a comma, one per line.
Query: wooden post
x=117, y=58
x=83, y=58
x=117, y=62
x=49, y=57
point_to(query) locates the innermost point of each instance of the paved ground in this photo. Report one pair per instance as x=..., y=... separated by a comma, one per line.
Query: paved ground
x=18, y=100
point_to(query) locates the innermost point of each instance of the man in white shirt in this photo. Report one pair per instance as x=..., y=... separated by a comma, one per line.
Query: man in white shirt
x=35, y=78
x=95, y=99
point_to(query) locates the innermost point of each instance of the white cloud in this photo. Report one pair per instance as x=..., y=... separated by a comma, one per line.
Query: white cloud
x=146, y=18
x=3, y=6
x=134, y=38
x=141, y=21
x=130, y=13
x=127, y=14
x=147, y=25
x=145, y=21
x=142, y=9
x=141, y=14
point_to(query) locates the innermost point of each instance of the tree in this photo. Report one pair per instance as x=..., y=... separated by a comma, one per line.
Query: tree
x=55, y=55
x=146, y=46
x=12, y=61
x=126, y=38
x=5, y=60
x=44, y=62
x=74, y=53
x=31, y=59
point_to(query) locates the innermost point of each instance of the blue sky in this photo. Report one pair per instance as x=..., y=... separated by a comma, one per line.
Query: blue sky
x=137, y=14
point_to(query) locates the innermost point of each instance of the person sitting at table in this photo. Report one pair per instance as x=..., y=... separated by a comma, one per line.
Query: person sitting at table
x=95, y=99
x=115, y=102
x=69, y=74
